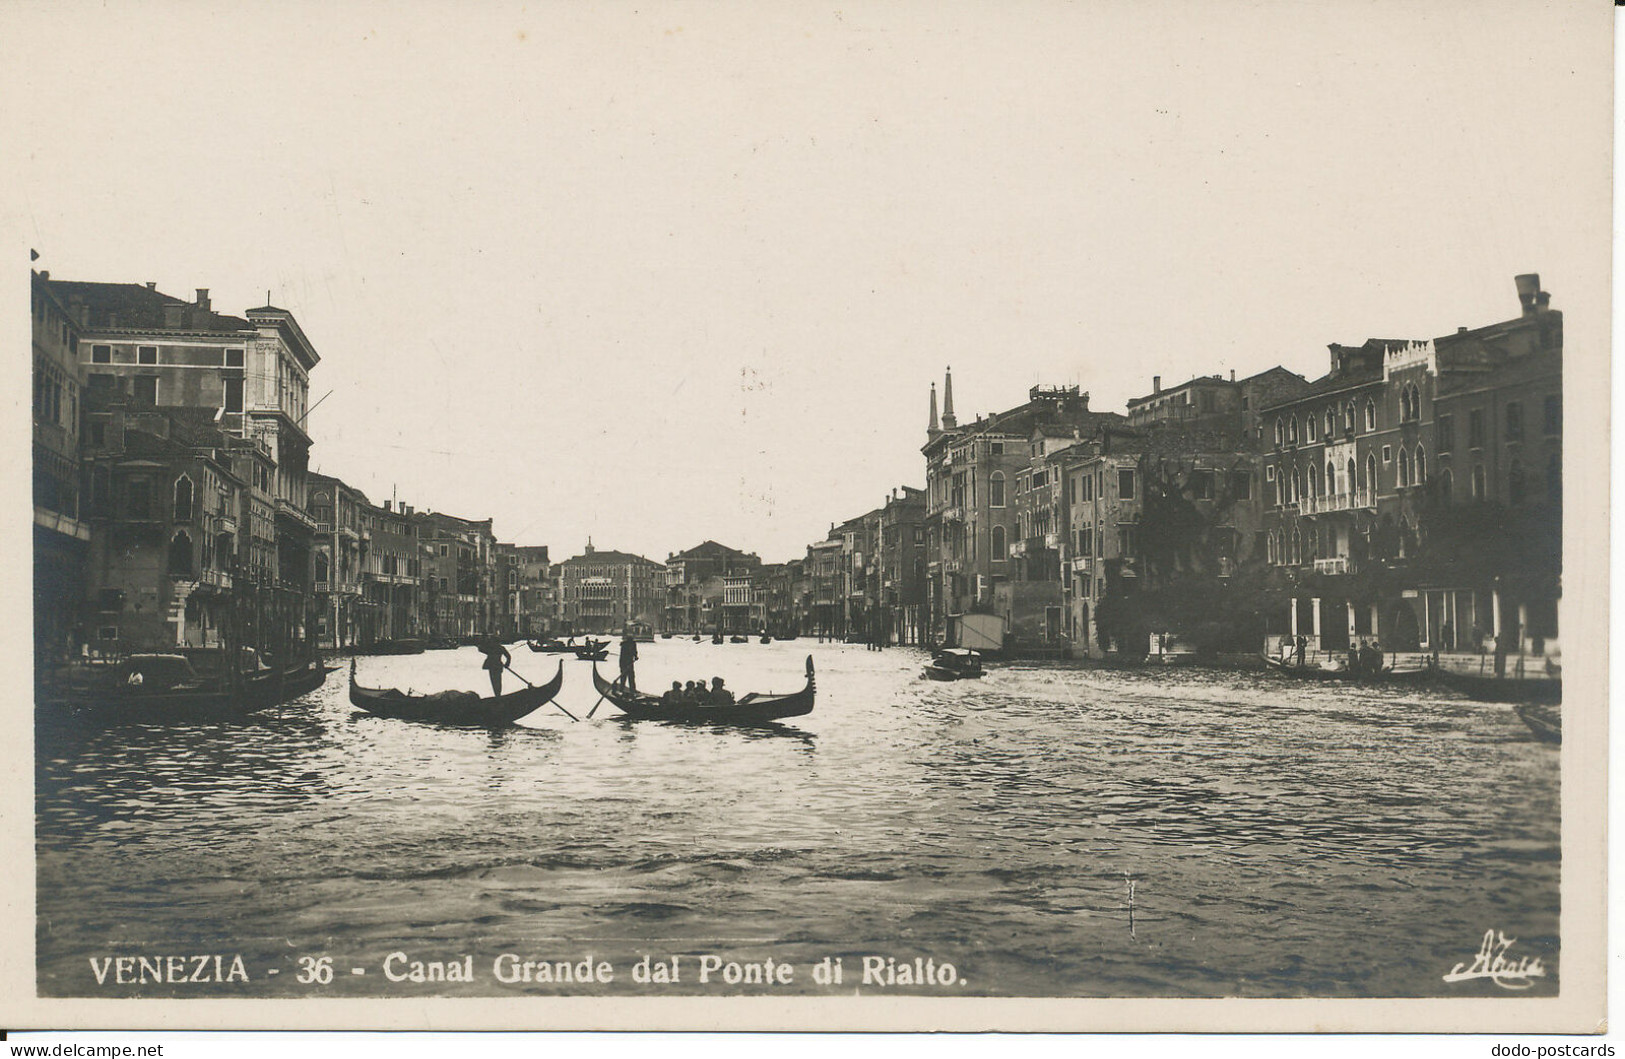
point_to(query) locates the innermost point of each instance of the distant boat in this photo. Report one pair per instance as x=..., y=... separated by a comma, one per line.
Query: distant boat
x=462, y=708
x=766, y=638
x=736, y=638
x=749, y=709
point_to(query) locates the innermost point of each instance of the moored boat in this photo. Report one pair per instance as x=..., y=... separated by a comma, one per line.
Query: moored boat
x=1542, y=689
x=1315, y=671
x=165, y=687
x=466, y=709
x=749, y=709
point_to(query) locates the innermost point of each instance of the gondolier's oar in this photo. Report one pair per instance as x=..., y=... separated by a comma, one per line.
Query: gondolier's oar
x=528, y=684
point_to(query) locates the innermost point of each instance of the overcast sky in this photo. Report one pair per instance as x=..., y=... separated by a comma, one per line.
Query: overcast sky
x=659, y=273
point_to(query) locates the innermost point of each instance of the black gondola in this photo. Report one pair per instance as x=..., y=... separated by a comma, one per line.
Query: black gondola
x=749, y=709
x=1542, y=689
x=165, y=687
x=1544, y=720
x=462, y=708
x=955, y=663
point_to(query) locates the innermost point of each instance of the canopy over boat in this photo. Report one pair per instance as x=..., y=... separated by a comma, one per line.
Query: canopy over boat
x=465, y=708
x=749, y=709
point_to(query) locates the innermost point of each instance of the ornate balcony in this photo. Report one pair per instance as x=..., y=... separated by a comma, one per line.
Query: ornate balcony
x=1319, y=505
x=1337, y=565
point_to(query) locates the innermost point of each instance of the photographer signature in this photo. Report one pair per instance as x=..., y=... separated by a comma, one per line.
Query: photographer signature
x=1491, y=962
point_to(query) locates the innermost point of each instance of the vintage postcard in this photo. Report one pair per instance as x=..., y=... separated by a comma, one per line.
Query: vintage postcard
x=1037, y=516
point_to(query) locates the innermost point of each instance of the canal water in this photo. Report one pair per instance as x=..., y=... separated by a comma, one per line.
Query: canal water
x=1047, y=831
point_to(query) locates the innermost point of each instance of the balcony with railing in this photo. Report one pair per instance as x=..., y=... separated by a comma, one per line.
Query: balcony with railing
x=1319, y=505
x=1335, y=565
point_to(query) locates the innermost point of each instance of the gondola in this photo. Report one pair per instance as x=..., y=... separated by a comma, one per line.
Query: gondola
x=169, y=689
x=750, y=709
x=592, y=654
x=463, y=708
x=1545, y=721
x=1316, y=672
x=766, y=638
x=550, y=646
x=1541, y=689
x=736, y=638
x=954, y=663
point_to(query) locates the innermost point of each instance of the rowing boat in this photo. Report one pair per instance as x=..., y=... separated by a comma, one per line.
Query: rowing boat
x=750, y=709
x=463, y=708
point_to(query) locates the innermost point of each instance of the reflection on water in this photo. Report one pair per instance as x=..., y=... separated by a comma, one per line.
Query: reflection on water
x=1281, y=840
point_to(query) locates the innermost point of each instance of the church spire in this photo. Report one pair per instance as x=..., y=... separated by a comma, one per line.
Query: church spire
x=932, y=428
x=949, y=421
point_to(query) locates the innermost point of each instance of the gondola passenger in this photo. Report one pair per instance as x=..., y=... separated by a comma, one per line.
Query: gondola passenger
x=675, y=695
x=719, y=695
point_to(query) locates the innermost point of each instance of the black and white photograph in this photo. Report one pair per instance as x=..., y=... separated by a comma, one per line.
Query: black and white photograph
x=1034, y=517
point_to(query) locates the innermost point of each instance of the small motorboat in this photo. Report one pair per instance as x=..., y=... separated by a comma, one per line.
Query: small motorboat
x=747, y=710
x=461, y=708
x=955, y=663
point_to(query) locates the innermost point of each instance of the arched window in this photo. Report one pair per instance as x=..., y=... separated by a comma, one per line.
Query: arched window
x=183, y=499
x=1370, y=414
x=1404, y=467
x=1292, y=430
x=1331, y=425
x=1480, y=489
x=1446, y=484
x=999, y=550
x=1351, y=424
x=1297, y=546
x=1311, y=428
x=995, y=490
x=1370, y=482
x=1515, y=482
x=1297, y=485
x=321, y=567
x=1273, y=548
x=1331, y=478
x=1348, y=471
x=1421, y=466
x=180, y=556
x=1280, y=433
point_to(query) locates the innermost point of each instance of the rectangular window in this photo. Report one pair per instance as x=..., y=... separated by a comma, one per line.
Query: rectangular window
x=139, y=493
x=1086, y=541
x=996, y=448
x=1475, y=429
x=1387, y=454
x=1241, y=485
x=234, y=395
x=1553, y=425
x=1445, y=432
x=101, y=354
x=234, y=358
x=1125, y=485
x=145, y=388
x=146, y=354
x=1202, y=485
x=1514, y=421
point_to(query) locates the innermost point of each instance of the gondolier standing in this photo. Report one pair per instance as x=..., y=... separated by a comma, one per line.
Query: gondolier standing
x=496, y=659
x=629, y=659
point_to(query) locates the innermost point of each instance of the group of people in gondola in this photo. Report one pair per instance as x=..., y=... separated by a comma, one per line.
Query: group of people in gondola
x=697, y=693
x=1365, y=659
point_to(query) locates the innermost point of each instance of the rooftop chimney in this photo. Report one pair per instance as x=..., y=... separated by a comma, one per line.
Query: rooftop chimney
x=203, y=298
x=387, y=504
x=1232, y=374
x=1528, y=291
x=1156, y=384
x=152, y=284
